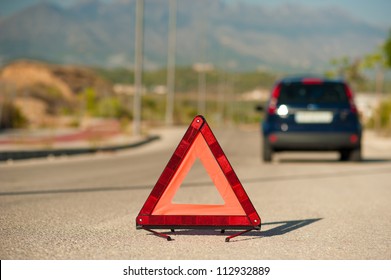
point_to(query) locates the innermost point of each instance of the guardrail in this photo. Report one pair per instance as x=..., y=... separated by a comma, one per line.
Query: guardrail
x=41, y=153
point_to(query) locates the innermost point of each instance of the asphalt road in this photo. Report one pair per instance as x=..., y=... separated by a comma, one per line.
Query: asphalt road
x=311, y=205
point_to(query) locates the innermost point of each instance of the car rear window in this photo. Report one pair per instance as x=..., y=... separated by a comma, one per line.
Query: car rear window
x=323, y=93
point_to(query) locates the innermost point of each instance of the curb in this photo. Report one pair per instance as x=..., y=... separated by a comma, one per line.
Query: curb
x=28, y=154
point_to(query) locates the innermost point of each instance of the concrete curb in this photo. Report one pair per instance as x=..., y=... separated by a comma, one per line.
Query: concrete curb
x=41, y=153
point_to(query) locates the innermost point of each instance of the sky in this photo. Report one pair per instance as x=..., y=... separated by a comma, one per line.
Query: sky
x=373, y=11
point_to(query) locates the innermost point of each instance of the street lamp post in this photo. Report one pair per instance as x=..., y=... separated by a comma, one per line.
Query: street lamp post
x=171, y=64
x=202, y=69
x=138, y=67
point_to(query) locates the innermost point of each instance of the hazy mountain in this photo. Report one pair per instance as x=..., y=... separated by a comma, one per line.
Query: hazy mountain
x=232, y=35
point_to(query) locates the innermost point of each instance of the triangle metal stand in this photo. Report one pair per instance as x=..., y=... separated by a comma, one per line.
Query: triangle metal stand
x=169, y=238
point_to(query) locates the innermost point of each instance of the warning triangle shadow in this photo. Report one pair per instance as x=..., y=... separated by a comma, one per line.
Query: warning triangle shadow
x=286, y=226
x=280, y=228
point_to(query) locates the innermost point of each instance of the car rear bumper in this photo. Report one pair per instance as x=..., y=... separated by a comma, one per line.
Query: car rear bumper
x=282, y=141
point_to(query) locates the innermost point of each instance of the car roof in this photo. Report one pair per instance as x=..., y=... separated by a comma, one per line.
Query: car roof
x=299, y=79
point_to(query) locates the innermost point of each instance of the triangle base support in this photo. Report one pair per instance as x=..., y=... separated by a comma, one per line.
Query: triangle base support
x=227, y=239
x=159, y=234
x=168, y=238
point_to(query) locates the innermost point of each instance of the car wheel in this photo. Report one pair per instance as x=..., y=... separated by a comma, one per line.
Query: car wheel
x=344, y=155
x=355, y=155
x=350, y=155
x=267, y=154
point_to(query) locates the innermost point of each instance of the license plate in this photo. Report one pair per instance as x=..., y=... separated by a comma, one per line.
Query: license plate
x=313, y=117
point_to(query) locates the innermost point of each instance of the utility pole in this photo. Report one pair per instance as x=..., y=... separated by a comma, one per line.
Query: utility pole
x=171, y=63
x=138, y=67
x=202, y=69
x=202, y=90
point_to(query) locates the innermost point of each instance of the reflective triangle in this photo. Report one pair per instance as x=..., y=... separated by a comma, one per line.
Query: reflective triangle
x=198, y=143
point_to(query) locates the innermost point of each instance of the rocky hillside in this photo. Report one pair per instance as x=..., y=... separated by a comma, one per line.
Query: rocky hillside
x=43, y=93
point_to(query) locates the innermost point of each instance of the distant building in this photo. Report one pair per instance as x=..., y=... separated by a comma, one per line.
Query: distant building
x=124, y=89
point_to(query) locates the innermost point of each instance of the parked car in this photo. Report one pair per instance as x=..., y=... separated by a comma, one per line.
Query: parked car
x=311, y=114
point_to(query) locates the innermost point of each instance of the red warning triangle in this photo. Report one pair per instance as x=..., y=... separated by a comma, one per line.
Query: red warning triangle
x=159, y=211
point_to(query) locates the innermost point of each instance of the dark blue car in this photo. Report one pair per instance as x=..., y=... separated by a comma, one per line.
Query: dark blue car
x=312, y=114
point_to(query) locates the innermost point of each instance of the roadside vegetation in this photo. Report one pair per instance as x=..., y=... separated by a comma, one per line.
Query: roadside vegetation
x=381, y=119
x=75, y=93
x=11, y=116
x=369, y=74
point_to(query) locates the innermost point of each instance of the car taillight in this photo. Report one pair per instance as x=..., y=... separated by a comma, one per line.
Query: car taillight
x=349, y=94
x=272, y=108
x=312, y=81
x=272, y=138
x=353, y=138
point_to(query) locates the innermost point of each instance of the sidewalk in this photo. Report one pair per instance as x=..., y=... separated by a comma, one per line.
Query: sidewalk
x=102, y=136
x=378, y=145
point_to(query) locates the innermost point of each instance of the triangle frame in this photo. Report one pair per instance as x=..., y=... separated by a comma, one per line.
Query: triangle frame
x=154, y=213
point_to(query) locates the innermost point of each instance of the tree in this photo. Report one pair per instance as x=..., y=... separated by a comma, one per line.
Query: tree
x=379, y=61
x=376, y=61
x=387, y=50
x=347, y=68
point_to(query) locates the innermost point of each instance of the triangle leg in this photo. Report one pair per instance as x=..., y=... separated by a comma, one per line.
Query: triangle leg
x=159, y=234
x=227, y=239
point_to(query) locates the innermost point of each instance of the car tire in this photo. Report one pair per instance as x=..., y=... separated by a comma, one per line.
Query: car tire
x=267, y=151
x=344, y=155
x=355, y=155
x=350, y=155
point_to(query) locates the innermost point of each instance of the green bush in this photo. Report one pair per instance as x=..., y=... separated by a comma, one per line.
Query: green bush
x=381, y=119
x=90, y=101
x=106, y=107
x=384, y=112
x=11, y=116
x=111, y=107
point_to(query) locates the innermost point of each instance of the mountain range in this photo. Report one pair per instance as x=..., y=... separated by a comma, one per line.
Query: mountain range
x=228, y=34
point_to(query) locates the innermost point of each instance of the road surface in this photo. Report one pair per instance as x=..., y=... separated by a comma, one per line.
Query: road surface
x=312, y=206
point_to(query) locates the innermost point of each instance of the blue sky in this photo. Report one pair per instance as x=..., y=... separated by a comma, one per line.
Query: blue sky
x=374, y=11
